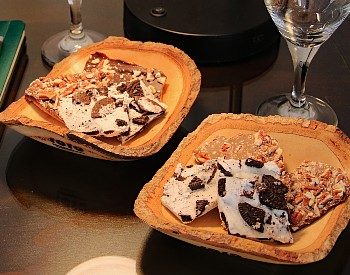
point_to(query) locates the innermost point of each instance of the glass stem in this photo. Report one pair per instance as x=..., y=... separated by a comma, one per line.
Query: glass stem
x=302, y=57
x=76, y=27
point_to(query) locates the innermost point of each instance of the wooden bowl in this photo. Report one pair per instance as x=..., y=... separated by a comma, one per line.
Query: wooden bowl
x=300, y=139
x=181, y=89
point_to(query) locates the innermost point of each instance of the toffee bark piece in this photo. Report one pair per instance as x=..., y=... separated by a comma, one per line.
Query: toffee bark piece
x=315, y=188
x=258, y=146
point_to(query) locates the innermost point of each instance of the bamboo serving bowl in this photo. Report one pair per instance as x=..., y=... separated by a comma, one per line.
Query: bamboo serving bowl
x=181, y=89
x=300, y=140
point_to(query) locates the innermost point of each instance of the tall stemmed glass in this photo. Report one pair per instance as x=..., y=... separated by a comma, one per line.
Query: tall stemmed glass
x=62, y=44
x=305, y=24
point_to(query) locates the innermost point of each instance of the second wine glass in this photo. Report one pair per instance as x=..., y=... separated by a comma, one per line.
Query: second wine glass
x=62, y=44
x=306, y=25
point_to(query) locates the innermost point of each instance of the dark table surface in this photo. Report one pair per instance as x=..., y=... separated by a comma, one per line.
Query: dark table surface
x=58, y=209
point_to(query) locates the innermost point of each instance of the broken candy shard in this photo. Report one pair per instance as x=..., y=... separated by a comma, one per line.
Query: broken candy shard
x=252, y=201
x=191, y=191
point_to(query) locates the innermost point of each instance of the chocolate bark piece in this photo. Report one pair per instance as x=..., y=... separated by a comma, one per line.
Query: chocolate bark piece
x=100, y=61
x=314, y=189
x=83, y=101
x=124, y=71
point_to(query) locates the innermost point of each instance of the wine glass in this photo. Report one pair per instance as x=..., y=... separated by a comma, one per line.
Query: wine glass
x=62, y=44
x=306, y=25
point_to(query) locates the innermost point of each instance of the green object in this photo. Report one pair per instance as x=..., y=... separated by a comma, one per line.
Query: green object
x=13, y=37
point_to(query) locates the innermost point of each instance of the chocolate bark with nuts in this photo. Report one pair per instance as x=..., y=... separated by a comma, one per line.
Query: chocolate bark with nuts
x=151, y=77
x=109, y=98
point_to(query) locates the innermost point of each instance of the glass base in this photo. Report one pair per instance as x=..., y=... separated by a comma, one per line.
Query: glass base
x=60, y=45
x=314, y=109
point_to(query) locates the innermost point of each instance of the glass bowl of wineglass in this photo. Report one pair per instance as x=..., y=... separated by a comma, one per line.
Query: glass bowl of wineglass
x=306, y=25
x=62, y=44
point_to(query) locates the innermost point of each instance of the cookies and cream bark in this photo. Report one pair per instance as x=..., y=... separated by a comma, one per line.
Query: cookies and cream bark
x=191, y=191
x=109, y=98
x=315, y=188
x=251, y=200
x=259, y=146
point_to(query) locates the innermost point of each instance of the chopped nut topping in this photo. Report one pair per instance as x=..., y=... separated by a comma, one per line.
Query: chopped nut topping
x=258, y=146
x=83, y=97
x=314, y=189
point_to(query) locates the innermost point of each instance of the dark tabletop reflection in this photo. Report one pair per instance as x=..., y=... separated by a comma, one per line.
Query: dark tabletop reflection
x=81, y=182
x=165, y=255
x=235, y=73
x=222, y=86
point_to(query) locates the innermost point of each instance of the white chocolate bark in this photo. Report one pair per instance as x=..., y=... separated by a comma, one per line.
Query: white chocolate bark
x=192, y=191
x=241, y=209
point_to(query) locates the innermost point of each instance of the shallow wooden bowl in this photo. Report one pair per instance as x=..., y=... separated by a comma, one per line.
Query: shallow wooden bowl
x=300, y=139
x=181, y=89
